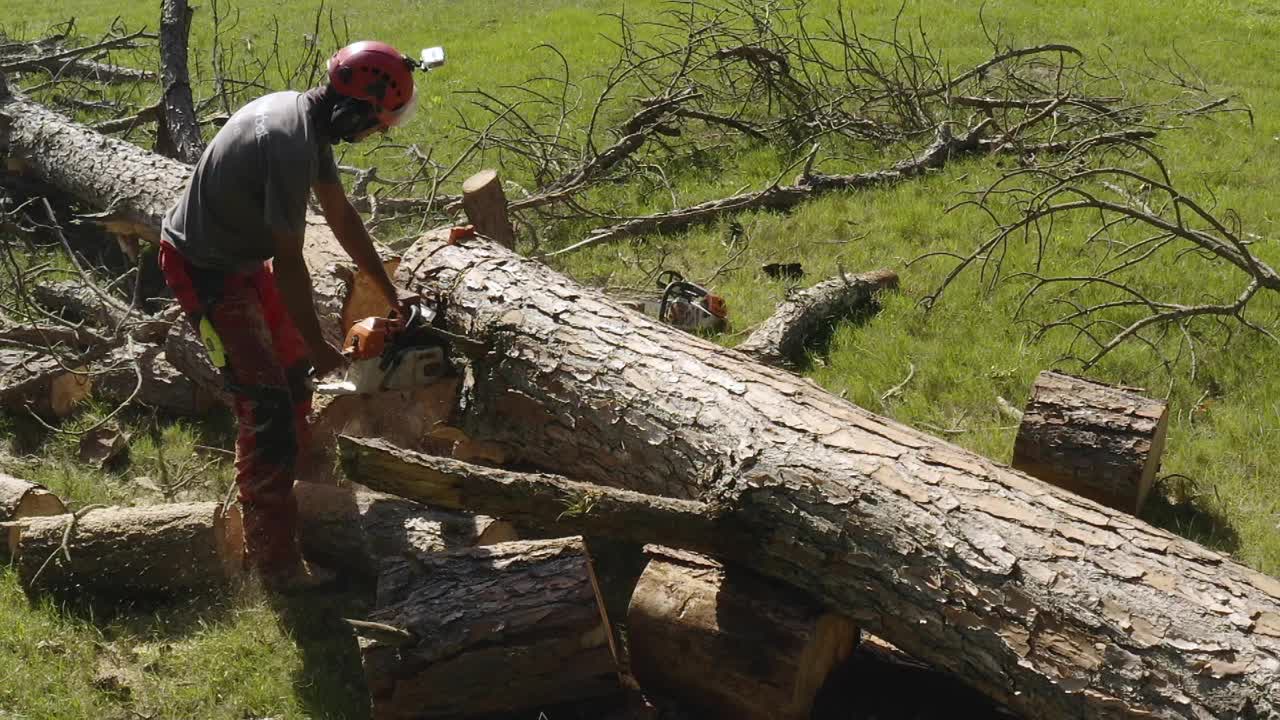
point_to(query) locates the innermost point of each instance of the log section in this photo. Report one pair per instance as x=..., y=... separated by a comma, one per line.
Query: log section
x=1100, y=441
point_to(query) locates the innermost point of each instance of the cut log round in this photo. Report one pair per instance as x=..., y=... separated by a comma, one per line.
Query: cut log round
x=41, y=383
x=21, y=499
x=728, y=642
x=356, y=529
x=486, y=207
x=1047, y=602
x=782, y=338
x=127, y=552
x=1100, y=441
x=509, y=627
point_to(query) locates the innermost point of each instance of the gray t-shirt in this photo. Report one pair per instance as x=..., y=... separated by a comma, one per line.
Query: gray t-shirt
x=252, y=181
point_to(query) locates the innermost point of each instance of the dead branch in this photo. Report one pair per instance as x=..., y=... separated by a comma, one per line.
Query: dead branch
x=1142, y=218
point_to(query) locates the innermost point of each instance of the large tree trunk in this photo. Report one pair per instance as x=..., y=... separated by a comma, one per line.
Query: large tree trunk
x=1100, y=441
x=178, y=134
x=357, y=530
x=126, y=552
x=728, y=642
x=1047, y=602
x=506, y=627
x=139, y=187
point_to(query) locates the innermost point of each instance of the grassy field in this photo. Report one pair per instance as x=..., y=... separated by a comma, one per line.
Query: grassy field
x=241, y=658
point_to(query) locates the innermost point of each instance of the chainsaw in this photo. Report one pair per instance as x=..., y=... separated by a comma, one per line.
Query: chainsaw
x=682, y=304
x=391, y=353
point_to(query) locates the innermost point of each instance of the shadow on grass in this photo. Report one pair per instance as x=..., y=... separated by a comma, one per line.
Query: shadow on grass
x=1171, y=508
x=330, y=683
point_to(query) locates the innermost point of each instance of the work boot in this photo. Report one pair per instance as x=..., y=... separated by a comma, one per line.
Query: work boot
x=300, y=578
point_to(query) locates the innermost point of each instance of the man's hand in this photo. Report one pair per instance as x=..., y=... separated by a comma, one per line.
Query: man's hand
x=325, y=359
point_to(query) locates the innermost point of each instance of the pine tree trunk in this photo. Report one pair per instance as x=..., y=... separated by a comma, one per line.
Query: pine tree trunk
x=1049, y=603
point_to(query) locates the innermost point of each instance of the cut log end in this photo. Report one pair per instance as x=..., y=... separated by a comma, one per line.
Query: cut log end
x=486, y=207
x=729, y=642
x=1099, y=441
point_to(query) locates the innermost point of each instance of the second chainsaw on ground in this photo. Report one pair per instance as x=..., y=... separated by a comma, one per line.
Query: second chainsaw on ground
x=392, y=354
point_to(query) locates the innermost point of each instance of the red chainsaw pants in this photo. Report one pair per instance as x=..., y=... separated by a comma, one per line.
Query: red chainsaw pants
x=266, y=375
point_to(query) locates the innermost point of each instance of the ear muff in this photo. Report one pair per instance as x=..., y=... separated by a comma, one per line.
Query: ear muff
x=349, y=117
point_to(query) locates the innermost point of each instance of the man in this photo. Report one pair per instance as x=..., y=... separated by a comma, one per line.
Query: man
x=231, y=251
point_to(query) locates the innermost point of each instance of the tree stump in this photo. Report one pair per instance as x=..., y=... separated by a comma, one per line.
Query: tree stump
x=1099, y=441
x=486, y=207
x=128, y=552
x=729, y=642
x=509, y=627
x=355, y=529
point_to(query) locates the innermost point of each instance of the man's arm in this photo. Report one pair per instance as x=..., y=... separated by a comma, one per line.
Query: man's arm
x=348, y=227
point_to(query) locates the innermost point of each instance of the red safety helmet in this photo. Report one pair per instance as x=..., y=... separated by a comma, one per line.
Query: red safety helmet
x=378, y=74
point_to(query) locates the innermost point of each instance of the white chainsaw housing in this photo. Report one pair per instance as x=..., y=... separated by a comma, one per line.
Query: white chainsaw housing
x=410, y=368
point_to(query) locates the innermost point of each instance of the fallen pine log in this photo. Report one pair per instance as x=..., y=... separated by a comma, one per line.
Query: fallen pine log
x=356, y=530
x=75, y=301
x=1100, y=441
x=729, y=643
x=130, y=551
x=509, y=627
x=184, y=351
x=20, y=499
x=143, y=374
x=781, y=339
x=1048, y=603
x=41, y=383
x=137, y=188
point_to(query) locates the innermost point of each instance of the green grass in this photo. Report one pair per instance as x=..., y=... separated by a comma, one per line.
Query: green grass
x=237, y=659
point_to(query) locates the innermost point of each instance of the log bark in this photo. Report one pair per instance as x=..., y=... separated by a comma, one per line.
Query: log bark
x=1100, y=441
x=179, y=130
x=486, y=207
x=356, y=530
x=77, y=302
x=138, y=187
x=782, y=338
x=542, y=502
x=508, y=627
x=145, y=375
x=21, y=499
x=729, y=642
x=39, y=382
x=1047, y=602
x=128, y=552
